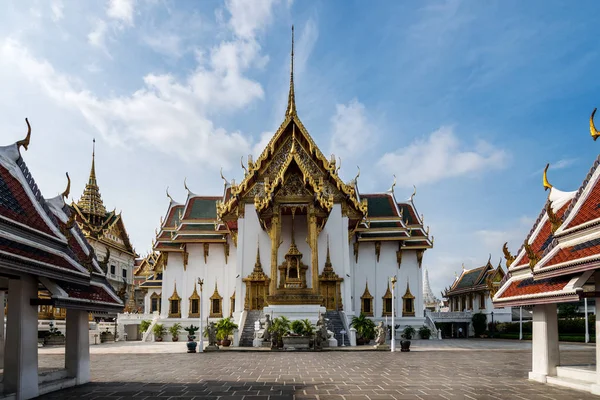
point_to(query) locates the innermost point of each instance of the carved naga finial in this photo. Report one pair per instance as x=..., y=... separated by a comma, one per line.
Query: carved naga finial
x=185, y=186
x=355, y=180
x=393, y=185
x=243, y=166
x=412, y=196
x=25, y=142
x=168, y=195
x=65, y=194
x=593, y=131
x=337, y=170
x=545, y=182
x=224, y=179
x=509, y=257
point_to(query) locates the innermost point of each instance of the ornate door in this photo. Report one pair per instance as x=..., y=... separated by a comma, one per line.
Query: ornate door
x=256, y=292
x=329, y=293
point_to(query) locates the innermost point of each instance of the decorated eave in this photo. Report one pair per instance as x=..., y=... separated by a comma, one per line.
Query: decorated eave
x=562, y=249
x=111, y=220
x=485, y=278
x=40, y=237
x=390, y=220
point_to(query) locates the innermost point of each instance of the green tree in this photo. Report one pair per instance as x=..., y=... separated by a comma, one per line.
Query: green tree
x=479, y=323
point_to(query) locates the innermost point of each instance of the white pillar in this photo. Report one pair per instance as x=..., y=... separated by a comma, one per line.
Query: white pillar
x=595, y=386
x=544, y=342
x=587, y=332
x=2, y=294
x=393, y=347
x=77, y=346
x=21, y=357
x=521, y=323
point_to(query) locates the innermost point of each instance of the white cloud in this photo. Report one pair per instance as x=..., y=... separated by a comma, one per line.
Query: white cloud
x=441, y=156
x=248, y=17
x=121, y=10
x=97, y=36
x=57, y=10
x=352, y=133
x=514, y=235
x=168, y=44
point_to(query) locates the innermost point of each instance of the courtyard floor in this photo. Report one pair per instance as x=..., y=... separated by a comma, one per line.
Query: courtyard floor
x=449, y=369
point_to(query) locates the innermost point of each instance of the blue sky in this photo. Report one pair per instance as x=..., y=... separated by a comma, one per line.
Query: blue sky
x=467, y=100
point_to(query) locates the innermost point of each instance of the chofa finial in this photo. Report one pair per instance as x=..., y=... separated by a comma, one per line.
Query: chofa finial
x=545, y=182
x=65, y=194
x=25, y=142
x=168, y=195
x=185, y=186
x=412, y=196
x=593, y=131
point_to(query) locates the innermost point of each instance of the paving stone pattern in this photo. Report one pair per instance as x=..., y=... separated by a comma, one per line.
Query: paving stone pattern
x=492, y=374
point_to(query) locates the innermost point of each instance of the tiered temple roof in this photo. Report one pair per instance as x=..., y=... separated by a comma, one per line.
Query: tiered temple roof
x=39, y=236
x=562, y=250
x=291, y=156
x=97, y=223
x=484, y=278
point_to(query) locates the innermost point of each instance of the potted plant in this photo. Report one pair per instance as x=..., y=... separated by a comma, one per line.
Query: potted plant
x=159, y=331
x=174, y=331
x=54, y=336
x=365, y=329
x=191, y=344
x=408, y=334
x=225, y=328
x=279, y=328
x=299, y=337
x=424, y=332
x=144, y=325
x=107, y=337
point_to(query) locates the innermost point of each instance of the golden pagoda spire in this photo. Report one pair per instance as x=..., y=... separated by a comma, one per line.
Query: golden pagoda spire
x=90, y=202
x=291, y=106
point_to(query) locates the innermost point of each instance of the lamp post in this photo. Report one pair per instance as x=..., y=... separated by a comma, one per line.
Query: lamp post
x=492, y=324
x=521, y=323
x=200, y=336
x=394, y=280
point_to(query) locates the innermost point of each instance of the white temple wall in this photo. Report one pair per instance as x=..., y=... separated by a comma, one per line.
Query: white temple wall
x=172, y=274
x=377, y=274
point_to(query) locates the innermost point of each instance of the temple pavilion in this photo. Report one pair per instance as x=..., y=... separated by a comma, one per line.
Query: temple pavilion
x=45, y=261
x=292, y=238
x=558, y=262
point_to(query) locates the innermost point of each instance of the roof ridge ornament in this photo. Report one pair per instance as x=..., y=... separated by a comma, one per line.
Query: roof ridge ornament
x=412, y=196
x=509, y=257
x=291, y=106
x=545, y=182
x=224, y=179
x=65, y=194
x=391, y=190
x=593, y=131
x=169, y=196
x=25, y=142
x=185, y=186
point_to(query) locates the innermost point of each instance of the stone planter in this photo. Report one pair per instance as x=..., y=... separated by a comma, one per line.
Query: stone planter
x=405, y=345
x=191, y=344
x=175, y=338
x=107, y=338
x=54, y=340
x=225, y=342
x=296, y=342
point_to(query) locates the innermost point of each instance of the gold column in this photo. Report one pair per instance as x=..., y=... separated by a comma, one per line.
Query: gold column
x=275, y=239
x=314, y=248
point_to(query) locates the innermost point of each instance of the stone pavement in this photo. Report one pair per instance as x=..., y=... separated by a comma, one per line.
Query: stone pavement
x=460, y=374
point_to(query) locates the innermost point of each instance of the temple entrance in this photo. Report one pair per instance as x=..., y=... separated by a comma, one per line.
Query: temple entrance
x=256, y=292
x=331, y=300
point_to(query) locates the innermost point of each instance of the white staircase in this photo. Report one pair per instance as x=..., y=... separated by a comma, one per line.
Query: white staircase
x=148, y=332
x=574, y=377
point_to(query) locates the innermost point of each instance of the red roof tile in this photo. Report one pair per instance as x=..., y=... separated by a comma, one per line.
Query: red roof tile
x=93, y=293
x=590, y=209
x=544, y=236
x=576, y=252
x=22, y=210
x=33, y=253
x=529, y=286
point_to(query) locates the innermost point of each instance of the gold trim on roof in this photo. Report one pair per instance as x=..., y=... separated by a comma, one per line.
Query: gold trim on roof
x=545, y=182
x=593, y=131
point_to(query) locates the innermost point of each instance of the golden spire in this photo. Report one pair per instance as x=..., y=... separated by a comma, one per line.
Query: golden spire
x=291, y=106
x=545, y=182
x=90, y=202
x=328, y=266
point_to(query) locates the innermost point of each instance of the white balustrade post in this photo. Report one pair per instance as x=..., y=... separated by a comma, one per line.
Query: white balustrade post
x=521, y=323
x=587, y=332
x=393, y=346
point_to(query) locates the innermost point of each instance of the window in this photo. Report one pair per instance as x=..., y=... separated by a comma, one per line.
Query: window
x=408, y=303
x=194, y=311
x=215, y=304
x=366, y=302
x=481, y=302
x=113, y=269
x=232, y=304
x=174, y=305
x=387, y=302
x=124, y=274
x=155, y=302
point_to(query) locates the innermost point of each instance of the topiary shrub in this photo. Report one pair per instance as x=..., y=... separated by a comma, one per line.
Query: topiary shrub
x=479, y=323
x=424, y=332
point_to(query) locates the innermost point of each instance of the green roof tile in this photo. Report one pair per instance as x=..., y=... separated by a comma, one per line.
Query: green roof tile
x=202, y=209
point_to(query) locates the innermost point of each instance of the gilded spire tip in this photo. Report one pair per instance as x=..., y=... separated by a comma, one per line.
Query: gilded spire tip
x=65, y=194
x=545, y=182
x=291, y=106
x=593, y=131
x=25, y=142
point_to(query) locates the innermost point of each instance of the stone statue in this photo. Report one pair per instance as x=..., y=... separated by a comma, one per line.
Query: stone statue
x=321, y=333
x=380, y=332
x=267, y=333
x=212, y=334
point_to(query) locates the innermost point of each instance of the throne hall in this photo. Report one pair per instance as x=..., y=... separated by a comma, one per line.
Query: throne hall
x=292, y=238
